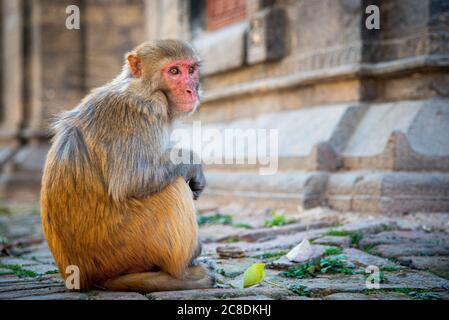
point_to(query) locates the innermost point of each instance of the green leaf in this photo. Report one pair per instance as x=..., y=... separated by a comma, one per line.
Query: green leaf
x=277, y=219
x=254, y=275
x=217, y=218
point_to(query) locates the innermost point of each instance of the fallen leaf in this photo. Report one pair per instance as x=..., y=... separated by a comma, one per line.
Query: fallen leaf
x=302, y=252
x=254, y=275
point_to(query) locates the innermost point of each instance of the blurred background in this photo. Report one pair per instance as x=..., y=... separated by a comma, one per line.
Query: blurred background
x=362, y=113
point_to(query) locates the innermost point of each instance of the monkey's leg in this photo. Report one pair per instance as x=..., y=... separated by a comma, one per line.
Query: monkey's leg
x=195, y=278
x=169, y=242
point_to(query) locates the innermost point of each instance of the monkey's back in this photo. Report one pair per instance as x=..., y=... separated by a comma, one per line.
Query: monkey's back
x=104, y=238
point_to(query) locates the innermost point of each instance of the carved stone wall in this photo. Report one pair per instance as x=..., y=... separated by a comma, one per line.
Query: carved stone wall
x=362, y=114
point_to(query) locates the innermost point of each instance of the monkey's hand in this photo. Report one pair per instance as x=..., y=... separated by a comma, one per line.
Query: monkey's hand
x=196, y=180
x=191, y=170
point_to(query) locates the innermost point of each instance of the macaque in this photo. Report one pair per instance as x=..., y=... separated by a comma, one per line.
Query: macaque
x=113, y=203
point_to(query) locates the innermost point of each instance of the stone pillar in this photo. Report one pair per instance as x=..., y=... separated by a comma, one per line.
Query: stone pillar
x=1, y=61
x=53, y=66
x=12, y=75
x=12, y=82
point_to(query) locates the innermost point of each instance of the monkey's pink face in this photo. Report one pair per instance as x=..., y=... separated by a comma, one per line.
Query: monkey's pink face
x=182, y=79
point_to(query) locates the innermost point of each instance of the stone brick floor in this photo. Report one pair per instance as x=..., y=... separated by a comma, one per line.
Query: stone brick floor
x=410, y=250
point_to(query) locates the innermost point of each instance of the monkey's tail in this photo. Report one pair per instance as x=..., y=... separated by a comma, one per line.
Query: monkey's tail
x=196, y=277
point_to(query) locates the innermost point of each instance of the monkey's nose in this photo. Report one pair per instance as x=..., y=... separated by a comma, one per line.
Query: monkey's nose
x=190, y=93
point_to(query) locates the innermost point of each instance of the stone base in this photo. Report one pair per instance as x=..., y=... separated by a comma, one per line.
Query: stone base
x=364, y=191
x=389, y=191
x=286, y=189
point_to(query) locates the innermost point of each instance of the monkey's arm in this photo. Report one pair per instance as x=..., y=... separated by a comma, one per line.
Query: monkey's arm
x=137, y=174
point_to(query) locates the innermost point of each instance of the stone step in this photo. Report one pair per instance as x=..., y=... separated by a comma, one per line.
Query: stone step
x=404, y=135
x=364, y=191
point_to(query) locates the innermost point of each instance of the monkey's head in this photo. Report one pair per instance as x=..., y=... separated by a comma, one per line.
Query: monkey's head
x=170, y=67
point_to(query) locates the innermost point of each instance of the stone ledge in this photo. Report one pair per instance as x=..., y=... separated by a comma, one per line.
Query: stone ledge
x=390, y=68
x=364, y=191
x=404, y=135
x=308, y=139
x=302, y=188
x=389, y=191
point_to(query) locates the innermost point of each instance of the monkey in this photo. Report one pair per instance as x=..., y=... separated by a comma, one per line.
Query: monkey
x=113, y=203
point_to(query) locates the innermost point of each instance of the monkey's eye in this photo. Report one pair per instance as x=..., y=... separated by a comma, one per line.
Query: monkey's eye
x=174, y=70
x=191, y=69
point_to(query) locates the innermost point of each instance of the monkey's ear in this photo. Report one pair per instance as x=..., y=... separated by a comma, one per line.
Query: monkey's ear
x=135, y=64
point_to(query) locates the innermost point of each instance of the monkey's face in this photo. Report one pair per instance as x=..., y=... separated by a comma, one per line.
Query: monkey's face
x=181, y=79
x=170, y=67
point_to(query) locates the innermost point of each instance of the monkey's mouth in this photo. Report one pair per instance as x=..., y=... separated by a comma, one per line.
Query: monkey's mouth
x=186, y=106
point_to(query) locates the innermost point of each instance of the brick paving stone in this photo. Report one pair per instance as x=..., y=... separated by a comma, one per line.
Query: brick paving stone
x=5, y=271
x=435, y=264
x=40, y=253
x=28, y=265
x=54, y=296
x=269, y=233
x=9, y=277
x=415, y=280
x=443, y=296
x=361, y=296
x=32, y=289
x=91, y=295
x=263, y=297
x=369, y=226
x=328, y=284
x=104, y=295
x=215, y=233
x=343, y=242
x=21, y=226
x=258, y=297
x=42, y=268
x=278, y=243
x=282, y=241
x=43, y=259
x=275, y=294
x=415, y=251
x=17, y=261
x=408, y=249
x=13, y=282
x=424, y=221
x=359, y=257
x=409, y=237
x=300, y=298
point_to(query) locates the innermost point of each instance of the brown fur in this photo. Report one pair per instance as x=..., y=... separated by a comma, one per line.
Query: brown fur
x=112, y=204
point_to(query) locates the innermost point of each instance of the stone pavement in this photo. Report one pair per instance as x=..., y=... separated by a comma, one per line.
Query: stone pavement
x=411, y=251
